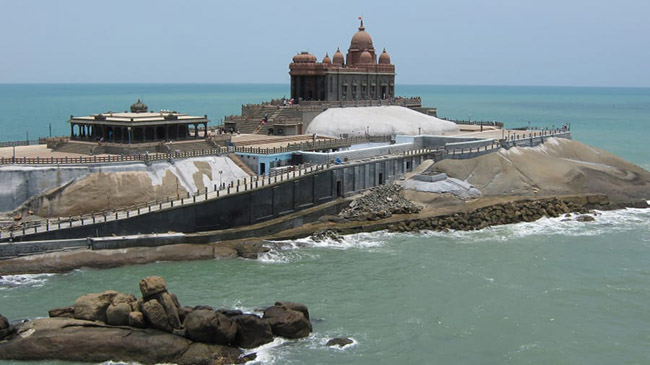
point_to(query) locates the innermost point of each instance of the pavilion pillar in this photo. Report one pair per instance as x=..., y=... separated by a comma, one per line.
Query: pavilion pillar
x=205, y=133
x=196, y=131
x=71, y=131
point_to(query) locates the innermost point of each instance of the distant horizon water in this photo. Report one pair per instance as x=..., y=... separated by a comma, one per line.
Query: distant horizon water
x=612, y=118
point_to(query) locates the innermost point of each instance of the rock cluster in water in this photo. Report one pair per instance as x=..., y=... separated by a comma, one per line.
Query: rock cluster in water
x=381, y=202
x=506, y=213
x=152, y=329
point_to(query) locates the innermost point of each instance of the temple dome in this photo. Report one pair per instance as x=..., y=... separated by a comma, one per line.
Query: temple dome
x=384, y=58
x=327, y=59
x=361, y=40
x=365, y=58
x=139, y=107
x=338, y=58
x=304, y=57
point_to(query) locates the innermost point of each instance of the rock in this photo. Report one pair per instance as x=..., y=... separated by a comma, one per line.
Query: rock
x=171, y=310
x=75, y=340
x=585, y=218
x=183, y=312
x=287, y=322
x=295, y=306
x=251, y=250
x=328, y=234
x=210, y=327
x=136, y=319
x=118, y=314
x=92, y=307
x=6, y=328
x=152, y=285
x=155, y=315
x=230, y=312
x=339, y=341
x=252, y=331
x=224, y=253
x=67, y=312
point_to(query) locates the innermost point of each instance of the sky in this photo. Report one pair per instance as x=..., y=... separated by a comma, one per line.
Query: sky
x=460, y=42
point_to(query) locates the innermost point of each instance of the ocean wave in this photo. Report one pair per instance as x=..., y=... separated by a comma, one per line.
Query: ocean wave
x=16, y=281
x=605, y=222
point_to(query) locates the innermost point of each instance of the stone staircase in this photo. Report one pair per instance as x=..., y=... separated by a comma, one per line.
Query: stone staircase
x=241, y=164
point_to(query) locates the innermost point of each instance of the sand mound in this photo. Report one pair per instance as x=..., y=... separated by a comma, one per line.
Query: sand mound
x=560, y=166
x=109, y=188
x=378, y=120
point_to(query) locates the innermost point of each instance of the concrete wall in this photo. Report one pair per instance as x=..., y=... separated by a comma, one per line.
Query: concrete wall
x=252, y=206
x=372, y=152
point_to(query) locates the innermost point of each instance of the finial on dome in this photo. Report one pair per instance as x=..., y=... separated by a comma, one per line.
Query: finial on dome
x=361, y=27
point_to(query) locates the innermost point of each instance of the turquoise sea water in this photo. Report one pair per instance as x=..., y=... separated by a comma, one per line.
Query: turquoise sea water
x=548, y=292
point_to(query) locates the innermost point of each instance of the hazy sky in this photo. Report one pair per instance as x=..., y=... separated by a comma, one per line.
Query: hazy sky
x=475, y=42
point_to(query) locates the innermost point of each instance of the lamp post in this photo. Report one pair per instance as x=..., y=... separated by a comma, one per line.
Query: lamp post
x=220, y=172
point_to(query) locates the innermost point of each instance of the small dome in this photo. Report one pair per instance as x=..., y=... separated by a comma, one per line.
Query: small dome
x=384, y=58
x=139, y=107
x=327, y=59
x=338, y=58
x=304, y=57
x=365, y=58
x=361, y=40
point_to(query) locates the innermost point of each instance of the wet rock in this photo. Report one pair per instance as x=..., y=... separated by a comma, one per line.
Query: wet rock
x=92, y=307
x=66, y=312
x=152, y=285
x=252, y=331
x=183, y=312
x=339, y=341
x=251, y=250
x=170, y=308
x=328, y=234
x=585, y=218
x=6, y=328
x=287, y=322
x=210, y=327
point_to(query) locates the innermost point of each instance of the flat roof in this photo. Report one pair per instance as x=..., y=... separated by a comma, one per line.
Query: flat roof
x=146, y=118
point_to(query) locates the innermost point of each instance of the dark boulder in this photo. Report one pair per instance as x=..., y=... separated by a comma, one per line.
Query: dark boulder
x=252, y=331
x=210, y=327
x=339, y=341
x=585, y=218
x=6, y=328
x=287, y=322
x=183, y=312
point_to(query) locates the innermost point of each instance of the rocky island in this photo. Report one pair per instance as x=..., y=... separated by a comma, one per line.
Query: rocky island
x=152, y=329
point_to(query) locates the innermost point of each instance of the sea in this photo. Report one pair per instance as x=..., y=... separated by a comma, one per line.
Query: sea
x=548, y=292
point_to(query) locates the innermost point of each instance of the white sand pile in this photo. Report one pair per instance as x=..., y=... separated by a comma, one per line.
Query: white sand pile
x=378, y=120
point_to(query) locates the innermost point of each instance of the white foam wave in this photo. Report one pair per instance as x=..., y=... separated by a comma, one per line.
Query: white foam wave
x=605, y=221
x=353, y=241
x=267, y=353
x=14, y=281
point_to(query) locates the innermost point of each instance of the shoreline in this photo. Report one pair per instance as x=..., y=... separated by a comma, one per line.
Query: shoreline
x=471, y=215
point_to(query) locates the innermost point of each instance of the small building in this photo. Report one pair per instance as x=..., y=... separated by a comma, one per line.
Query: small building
x=138, y=126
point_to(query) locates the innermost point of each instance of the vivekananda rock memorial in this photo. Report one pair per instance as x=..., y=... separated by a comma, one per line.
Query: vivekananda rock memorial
x=341, y=95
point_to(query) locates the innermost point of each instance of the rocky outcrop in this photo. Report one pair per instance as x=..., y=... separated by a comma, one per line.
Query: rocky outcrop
x=153, y=329
x=381, y=202
x=506, y=213
x=251, y=250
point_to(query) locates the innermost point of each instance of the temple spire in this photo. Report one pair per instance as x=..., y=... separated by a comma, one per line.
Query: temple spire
x=361, y=27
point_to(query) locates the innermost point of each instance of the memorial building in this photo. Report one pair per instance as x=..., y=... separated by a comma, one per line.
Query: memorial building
x=360, y=76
